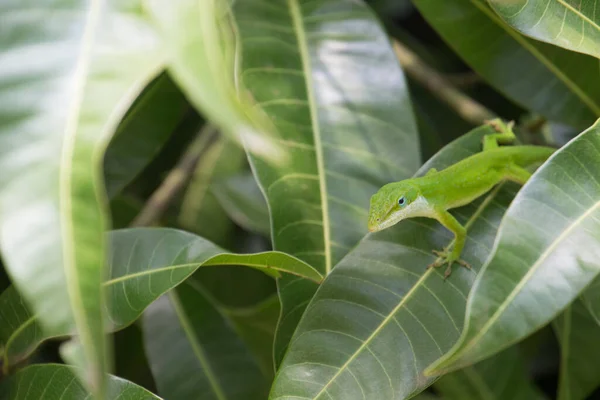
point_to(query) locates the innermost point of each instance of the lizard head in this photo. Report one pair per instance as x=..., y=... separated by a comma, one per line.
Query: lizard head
x=393, y=203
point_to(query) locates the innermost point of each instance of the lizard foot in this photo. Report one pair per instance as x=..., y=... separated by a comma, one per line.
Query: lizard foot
x=446, y=257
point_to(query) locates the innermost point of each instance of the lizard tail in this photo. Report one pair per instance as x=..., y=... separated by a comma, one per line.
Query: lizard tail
x=532, y=155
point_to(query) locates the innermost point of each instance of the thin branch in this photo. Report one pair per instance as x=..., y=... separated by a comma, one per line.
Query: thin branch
x=464, y=106
x=176, y=180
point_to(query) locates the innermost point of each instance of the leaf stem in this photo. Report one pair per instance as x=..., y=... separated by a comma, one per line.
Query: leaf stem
x=466, y=107
x=176, y=180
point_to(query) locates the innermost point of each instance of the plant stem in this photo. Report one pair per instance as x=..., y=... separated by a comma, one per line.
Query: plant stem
x=466, y=107
x=176, y=180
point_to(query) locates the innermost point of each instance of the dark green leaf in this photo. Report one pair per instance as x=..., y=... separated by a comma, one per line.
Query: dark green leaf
x=195, y=352
x=142, y=133
x=200, y=211
x=381, y=317
x=545, y=255
x=58, y=382
x=241, y=197
x=551, y=81
x=256, y=325
x=578, y=334
x=499, y=378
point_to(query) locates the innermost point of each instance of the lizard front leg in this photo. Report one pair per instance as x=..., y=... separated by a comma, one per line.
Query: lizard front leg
x=460, y=236
x=505, y=134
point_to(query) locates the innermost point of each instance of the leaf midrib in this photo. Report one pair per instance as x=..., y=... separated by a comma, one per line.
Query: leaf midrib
x=196, y=346
x=65, y=191
x=296, y=15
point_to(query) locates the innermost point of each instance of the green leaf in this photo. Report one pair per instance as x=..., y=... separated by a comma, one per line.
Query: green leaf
x=56, y=120
x=501, y=377
x=194, y=352
x=201, y=50
x=381, y=317
x=315, y=69
x=145, y=263
x=143, y=132
x=243, y=201
x=57, y=382
x=200, y=211
x=578, y=334
x=565, y=23
x=591, y=299
x=545, y=255
x=256, y=326
x=548, y=80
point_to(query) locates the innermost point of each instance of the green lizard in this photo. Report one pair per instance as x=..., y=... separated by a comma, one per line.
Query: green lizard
x=433, y=194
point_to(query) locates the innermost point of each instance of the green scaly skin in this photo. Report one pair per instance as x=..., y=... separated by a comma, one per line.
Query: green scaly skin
x=432, y=195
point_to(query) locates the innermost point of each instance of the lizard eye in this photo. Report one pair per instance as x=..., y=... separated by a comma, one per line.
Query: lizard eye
x=402, y=201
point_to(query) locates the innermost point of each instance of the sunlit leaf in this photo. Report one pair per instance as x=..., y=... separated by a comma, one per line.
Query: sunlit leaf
x=545, y=255
x=201, y=49
x=317, y=70
x=574, y=25
x=69, y=72
x=381, y=317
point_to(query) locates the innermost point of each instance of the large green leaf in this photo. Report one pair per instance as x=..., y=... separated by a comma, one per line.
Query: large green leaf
x=65, y=82
x=381, y=317
x=578, y=333
x=57, y=382
x=545, y=255
x=195, y=352
x=498, y=378
x=201, y=48
x=143, y=132
x=551, y=81
x=144, y=264
x=315, y=68
x=574, y=25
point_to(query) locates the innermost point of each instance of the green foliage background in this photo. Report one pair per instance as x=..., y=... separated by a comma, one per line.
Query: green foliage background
x=184, y=193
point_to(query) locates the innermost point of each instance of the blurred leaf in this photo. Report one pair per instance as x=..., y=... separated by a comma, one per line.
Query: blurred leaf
x=124, y=209
x=57, y=382
x=256, y=326
x=545, y=255
x=201, y=46
x=565, y=23
x=381, y=317
x=131, y=362
x=551, y=81
x=438, y=124
x=348, y=131
x=501, y=377
x=200, y=211
x=142, y=133
x=65, y=82
x=194, y=351
x=578, y=334
x=242, y=199
x=144, y=264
